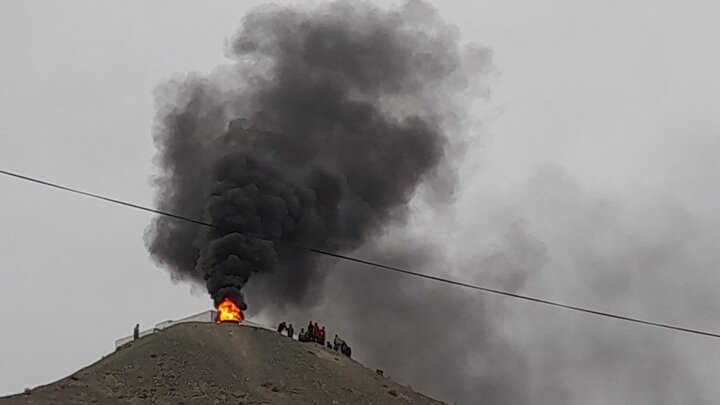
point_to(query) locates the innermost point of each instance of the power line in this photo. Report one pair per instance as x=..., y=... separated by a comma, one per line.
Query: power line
x=370, y=263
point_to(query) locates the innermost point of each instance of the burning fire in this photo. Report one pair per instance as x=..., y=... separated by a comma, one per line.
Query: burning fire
x=228, y=311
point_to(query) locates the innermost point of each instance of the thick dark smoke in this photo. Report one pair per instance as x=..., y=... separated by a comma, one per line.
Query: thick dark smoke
x=330, y=123
x=318, y=135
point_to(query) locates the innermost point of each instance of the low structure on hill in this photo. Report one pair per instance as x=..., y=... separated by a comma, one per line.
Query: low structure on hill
x=203, y=317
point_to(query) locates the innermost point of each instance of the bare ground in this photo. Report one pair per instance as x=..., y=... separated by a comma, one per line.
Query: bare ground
x=197, y=363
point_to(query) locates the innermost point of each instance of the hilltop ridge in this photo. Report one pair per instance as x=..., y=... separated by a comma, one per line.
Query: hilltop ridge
x=200, y=363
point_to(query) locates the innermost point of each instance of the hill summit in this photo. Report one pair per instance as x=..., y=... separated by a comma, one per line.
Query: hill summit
x=201, y=363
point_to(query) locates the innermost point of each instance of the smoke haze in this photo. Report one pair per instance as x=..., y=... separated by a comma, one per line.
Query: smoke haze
x=557, y=241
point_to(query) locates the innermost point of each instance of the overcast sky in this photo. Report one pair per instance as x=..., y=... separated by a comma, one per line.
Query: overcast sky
x=599, y=138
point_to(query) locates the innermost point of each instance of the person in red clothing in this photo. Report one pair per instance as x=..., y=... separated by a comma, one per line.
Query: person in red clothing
x=322, y=336
x=316, y=334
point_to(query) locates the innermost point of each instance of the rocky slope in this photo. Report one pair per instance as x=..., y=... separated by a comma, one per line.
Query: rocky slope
x=196, y=363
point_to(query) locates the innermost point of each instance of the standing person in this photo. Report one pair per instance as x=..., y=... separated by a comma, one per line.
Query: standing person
x=290, y=331
x=136, y=332
x=316, y=329
x=310, y=331
x=321, y=336
x=336, y=343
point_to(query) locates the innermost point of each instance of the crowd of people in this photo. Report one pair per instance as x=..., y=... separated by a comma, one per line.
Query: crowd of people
x=316, y=334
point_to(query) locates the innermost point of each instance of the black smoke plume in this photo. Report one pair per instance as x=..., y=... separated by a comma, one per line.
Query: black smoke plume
x=318, y=135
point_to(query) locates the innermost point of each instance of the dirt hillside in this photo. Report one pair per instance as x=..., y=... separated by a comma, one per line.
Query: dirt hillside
x=197, y=363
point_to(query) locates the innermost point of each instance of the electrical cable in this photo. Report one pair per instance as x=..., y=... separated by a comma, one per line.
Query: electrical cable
x=371, y=263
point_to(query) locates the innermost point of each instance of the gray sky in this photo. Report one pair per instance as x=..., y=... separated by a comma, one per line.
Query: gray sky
x=598, y=139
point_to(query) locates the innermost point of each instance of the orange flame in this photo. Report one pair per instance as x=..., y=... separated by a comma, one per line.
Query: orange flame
x=228, y=311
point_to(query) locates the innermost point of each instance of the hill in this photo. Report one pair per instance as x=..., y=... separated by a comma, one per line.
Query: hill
x=200, y=363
